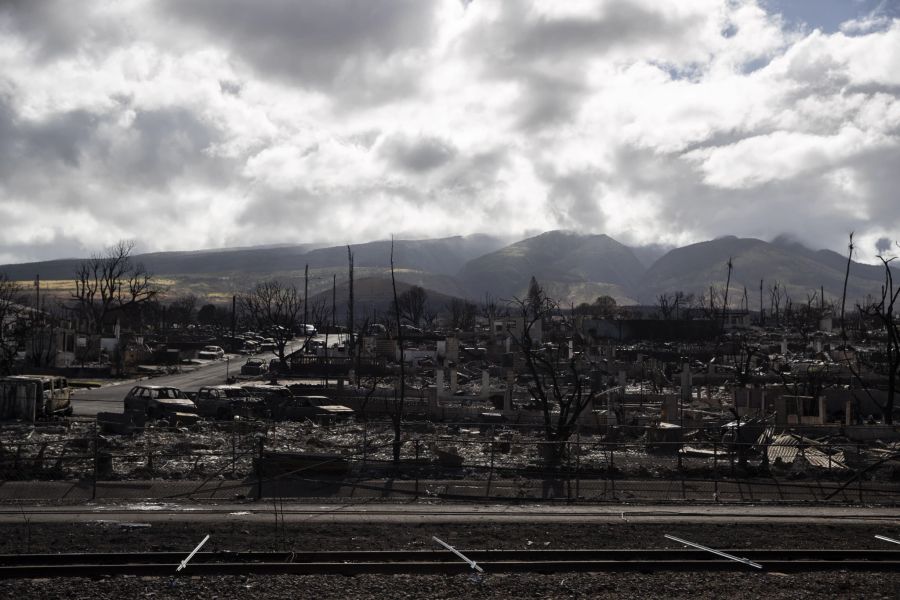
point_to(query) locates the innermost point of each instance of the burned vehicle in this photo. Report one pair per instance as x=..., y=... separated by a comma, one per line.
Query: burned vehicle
x=162, y=402
x=318, y=409
x=34, y=397
x=225, y=402
x=283, y=405
x=255, y=366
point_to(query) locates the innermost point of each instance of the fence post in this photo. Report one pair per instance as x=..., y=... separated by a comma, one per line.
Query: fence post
x=233, y=446
x=493, y=428
x=96, y=466
x=578, y=465
x=731, y=460
x=149, y=445
x=259, y=469
x=715, y=471
x=612, y=468
x=859, y=485
x=365, y=440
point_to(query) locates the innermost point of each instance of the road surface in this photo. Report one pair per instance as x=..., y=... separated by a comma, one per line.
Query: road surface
x=109, y=398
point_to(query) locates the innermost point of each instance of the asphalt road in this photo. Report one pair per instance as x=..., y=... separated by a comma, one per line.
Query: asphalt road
x=109, y=398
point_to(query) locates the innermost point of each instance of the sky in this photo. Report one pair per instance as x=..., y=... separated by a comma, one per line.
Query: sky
x=215, y=123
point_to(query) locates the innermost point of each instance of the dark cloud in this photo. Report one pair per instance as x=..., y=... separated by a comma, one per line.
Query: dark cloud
x=52, y=29
x=621, y=25
x=46, y=26
x=169, y=143
x=417, y=155
x=231, y=87
x=318, y=43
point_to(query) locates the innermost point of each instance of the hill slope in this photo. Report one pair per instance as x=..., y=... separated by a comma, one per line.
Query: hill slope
x=373, y=295
x=798, y=270
x=571, y=266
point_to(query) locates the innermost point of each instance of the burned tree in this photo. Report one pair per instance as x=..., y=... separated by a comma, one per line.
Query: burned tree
x=182, y=311
x=776, y=297
x=399, y=403
x=882, y=309
x=353, y=351
x=13, y=322
x=669, y=304
x=413, y=303
x=276, y=308
x=462, y=314
x=111, y=283
x=558, y=385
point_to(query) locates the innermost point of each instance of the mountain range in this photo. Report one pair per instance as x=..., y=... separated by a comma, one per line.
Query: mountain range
x=572, y=267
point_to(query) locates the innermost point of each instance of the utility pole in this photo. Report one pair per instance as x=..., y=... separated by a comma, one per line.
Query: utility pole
x=305, y=297
x=762, y=315
x=233, y=319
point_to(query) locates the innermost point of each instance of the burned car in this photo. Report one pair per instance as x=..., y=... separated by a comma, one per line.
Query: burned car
x=255, y=366
x=225, y=402
x=162, y=402
x=34, y=397
x=283, y=405
x=315, y=408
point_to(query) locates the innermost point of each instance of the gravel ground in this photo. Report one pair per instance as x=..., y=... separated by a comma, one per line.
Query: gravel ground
x=870, y=586
x=104, y=536
x=240, y=536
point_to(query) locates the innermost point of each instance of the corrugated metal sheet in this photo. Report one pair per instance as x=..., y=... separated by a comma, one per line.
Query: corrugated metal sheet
x=789, y=448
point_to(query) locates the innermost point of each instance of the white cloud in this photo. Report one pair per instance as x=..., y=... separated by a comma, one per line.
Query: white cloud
x=189, y=125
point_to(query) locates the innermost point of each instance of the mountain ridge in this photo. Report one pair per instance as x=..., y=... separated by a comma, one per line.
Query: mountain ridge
x=573, y=267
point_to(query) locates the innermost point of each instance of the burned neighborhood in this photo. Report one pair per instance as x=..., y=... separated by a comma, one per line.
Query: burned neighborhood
x=452, y=299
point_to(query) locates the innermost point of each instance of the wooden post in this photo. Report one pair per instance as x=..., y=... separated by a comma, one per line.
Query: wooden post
x=233, y=446
x=259, y=469
x=715, y=471
x=96, y=466
x=578, y=465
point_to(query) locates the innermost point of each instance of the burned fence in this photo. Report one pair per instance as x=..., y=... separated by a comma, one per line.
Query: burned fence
x=484, y=460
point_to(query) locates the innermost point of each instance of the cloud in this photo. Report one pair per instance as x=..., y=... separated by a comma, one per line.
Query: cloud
x=228, y=122
x=345, y=47
x=416, y=155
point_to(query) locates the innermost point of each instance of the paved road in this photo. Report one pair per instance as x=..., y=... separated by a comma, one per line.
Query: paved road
x=109, y=398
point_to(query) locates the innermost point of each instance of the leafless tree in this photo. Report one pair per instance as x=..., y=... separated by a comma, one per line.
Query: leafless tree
x=844, y=293
x=276, y=308
x=182, y=310
x=13, y=322
x=462, y=314
x=353, y=351
x=413, y=303
x=668, y=305
x=776, y=297
x=111, y=283
x=559, y=387
x=43, y=336
x=399, y=402
x=883, y=310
